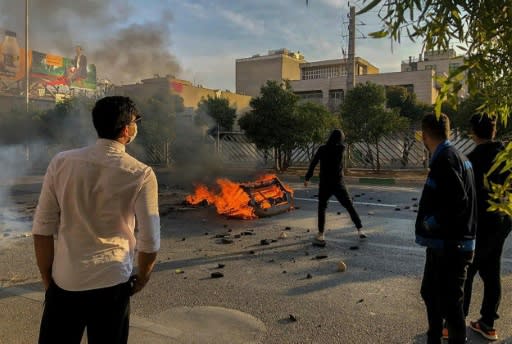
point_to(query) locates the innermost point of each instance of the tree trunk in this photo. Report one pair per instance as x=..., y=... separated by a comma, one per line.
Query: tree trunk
x=408, y=144
x=369, y=156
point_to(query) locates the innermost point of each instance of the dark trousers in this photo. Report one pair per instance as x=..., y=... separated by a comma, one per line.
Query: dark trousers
x=442, y=290
x=488, y=263
x=105, y=312
x=340, y=192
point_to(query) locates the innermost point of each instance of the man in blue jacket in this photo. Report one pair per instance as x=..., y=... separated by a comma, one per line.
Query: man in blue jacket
x=446, y=226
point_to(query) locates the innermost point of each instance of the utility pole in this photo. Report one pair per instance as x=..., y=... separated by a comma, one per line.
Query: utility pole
x=27, y=67
x=351, y=63
x=27, y=75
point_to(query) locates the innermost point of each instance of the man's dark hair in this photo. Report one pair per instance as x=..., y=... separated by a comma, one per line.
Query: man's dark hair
x=111, y=114
x=483, y=126
x=435, y=127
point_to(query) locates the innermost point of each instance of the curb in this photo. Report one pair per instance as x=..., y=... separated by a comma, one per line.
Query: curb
x=362, y=180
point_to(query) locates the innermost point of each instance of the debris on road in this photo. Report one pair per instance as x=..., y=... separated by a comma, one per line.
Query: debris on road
x=354, y=248
x=360, y=301
x=217, y=274
x=320, y=256
x=309, y=276
x=292, y=318
x=288, y=228
x=227, y=241
x=371, y=213
x=179, y=271
x=264, y=242
x=283, y=235
x=342, y=267
x=221, y=266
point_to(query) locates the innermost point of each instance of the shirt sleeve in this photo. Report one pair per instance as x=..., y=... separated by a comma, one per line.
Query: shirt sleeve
x=148, y=218
x=47, y=214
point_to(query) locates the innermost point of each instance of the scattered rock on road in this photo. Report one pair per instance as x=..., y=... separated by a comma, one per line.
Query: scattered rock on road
x=342, y=267
x=217, y=274
x=227, y=241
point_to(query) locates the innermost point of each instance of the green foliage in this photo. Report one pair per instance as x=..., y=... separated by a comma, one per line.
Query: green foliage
x=69, y=123
x=501, y=194
x=315, y=123
x=219, y=110
x=483, y=31
x=398, y=97
x=17, y=126
x=279, y=123
x=365, y=117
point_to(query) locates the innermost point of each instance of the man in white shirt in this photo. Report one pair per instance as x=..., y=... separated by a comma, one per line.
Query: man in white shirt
x=84, y=231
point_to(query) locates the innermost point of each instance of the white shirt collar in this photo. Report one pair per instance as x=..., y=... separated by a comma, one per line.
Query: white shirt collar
x=113, y=144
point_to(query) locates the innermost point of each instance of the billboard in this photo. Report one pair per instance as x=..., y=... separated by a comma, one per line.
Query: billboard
x=51, y=76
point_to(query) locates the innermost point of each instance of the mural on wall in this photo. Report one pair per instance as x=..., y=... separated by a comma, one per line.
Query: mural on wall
x=51, y=76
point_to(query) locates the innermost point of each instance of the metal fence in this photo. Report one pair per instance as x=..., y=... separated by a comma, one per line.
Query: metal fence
x=400, y=151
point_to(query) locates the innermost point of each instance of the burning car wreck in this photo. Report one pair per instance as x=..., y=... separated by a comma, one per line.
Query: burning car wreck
x=267, y=196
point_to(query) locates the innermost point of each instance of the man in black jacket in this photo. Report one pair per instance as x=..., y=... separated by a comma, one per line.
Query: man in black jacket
x=330, y=157
x=446, y=226
x=493, y=228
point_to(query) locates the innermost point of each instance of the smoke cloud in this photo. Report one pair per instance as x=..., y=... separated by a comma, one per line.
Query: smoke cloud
x=122, y=53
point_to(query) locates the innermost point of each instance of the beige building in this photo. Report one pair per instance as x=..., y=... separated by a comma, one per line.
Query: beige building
x=255, y=71
x=440, y=62
x=190, y=93
x=325, y=81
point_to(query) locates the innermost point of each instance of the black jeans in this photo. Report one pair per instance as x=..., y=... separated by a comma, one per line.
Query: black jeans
x=105, y=312
x=442, y=290
x=340, y=192
x=488, y=263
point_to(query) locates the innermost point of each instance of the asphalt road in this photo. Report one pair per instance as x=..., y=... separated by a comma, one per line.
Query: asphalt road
x=375, y=301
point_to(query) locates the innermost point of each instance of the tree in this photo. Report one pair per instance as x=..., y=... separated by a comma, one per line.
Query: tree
x=157, y=129
x=219, y=110
x=315, y=123
x=365, y=117
x=278, y=123
x=471, y=106
x=482, y=30
x=409, y=107
x=69, y=123
x=272, y=121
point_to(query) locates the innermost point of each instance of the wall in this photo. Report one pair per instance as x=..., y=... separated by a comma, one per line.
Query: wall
x=422, y=81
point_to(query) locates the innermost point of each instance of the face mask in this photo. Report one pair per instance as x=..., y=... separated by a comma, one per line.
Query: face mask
x=132, y=137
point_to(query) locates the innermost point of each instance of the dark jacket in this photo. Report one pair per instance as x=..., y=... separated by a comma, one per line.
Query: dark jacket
x=330, y=157
x=447, y=213
x=482, y=158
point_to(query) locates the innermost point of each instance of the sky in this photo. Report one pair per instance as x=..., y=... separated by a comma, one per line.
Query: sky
x=197, y=40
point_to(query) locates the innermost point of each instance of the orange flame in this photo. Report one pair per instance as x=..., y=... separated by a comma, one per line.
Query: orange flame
x=233, y=200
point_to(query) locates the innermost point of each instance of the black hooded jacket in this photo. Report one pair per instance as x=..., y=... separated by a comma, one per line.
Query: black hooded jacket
x=482, y=158
x=330, y=157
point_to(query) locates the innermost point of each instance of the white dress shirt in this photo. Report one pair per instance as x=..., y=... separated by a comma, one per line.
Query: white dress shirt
x=89, y=201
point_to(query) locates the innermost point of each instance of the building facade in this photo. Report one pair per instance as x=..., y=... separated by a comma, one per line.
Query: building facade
x=325, y=81
x=191, y=94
